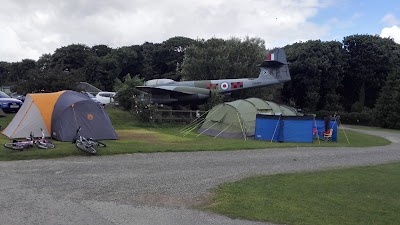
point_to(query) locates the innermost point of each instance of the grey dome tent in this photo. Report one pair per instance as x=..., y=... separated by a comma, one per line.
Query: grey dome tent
x=60, y=114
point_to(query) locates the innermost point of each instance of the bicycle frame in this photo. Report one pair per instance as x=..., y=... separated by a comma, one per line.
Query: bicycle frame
x=25, y=144
x=29, y=143
x=43, y=143
x=79, y=137
x=83, y=143
x=42, y=139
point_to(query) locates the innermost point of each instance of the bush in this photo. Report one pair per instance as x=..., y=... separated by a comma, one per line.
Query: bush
x=143, y=110
x=364, y=117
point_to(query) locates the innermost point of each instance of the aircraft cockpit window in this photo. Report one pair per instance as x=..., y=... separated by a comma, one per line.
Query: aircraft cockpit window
x=159, y=82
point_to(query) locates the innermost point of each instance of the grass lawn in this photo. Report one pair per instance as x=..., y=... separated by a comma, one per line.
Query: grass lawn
x=136, y=138
x=365, y=195
x=373, y=128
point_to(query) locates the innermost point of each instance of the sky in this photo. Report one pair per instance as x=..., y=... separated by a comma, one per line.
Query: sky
x=29, y=29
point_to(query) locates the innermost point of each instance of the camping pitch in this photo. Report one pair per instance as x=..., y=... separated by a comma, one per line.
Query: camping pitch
x=237, y=119
x=60, y=114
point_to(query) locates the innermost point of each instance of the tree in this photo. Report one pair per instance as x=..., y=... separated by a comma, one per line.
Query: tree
x=49, y=80
x=317, y=70
x=220, y=59
x=371, y=59
x=101, y=50
x=5, y=76
x=387, y=110
x=148, y=71
x=164, y=60
x=127, y=93
x=123, y=61
x=12, y=73
x=71, y=57
x=169, y=56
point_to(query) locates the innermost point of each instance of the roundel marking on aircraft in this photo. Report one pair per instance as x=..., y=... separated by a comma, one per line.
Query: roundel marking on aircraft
x=224, y=86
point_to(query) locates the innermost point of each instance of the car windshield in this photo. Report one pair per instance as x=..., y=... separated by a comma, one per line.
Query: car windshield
x=3, y=95
x=89, y=95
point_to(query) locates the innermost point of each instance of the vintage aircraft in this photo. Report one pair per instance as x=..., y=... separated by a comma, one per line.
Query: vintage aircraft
x=274, y=70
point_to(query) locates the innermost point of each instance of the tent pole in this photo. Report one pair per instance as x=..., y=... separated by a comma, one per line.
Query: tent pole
x=241, y=127
x=276, y=127
x=316, y=128
x=73, y=110
x=244, y=130
x=338, y=122
x=222, y=131
x=343, y=131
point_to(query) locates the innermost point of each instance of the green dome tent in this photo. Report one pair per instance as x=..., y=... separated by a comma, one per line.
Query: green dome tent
x=237, y=119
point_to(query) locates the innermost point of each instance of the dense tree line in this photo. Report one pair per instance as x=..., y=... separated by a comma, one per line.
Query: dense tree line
x=359, y=74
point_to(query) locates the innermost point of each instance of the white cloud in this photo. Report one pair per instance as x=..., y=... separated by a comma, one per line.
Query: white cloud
x=34, y=28
x=390, y=19
x=13, y=48
x=392, y=32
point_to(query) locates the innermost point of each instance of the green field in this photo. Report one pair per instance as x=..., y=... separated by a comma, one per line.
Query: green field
x=364, y=195
x=135, y=137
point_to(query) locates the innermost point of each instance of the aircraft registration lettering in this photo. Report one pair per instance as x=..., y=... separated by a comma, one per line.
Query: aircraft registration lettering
x=256, y=83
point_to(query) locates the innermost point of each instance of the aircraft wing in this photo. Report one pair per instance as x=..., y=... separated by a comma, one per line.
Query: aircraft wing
x=173, y=90
x=175, y=94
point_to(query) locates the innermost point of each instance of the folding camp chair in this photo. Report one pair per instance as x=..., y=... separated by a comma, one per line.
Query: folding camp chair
x=328, y=135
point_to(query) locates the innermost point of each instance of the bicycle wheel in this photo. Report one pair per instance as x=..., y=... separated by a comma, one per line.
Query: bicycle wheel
x=45, y=145
x=13, y=146
x=88, y=148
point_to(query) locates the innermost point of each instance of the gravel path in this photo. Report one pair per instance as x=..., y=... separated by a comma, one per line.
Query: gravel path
x=157, y=188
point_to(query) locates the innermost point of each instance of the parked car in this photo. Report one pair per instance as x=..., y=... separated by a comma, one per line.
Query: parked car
x=18, y=96
x=105, y=97
x=92, y=97
x=8, y=104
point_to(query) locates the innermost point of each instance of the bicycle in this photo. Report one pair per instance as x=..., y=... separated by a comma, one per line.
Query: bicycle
x=21, y=145
x=96, y=142
x=83, y=143
x=43, y=143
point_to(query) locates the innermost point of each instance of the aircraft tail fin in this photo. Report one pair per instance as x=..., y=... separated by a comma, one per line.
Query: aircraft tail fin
x=275, y=67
